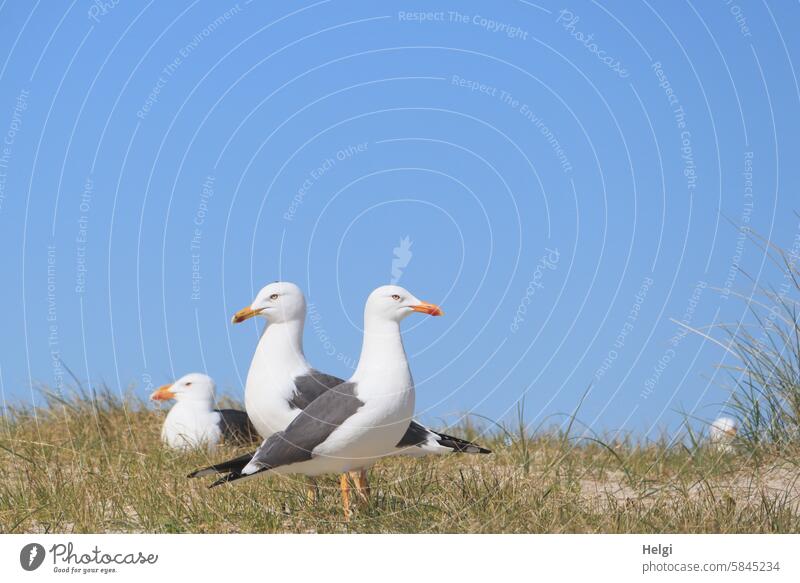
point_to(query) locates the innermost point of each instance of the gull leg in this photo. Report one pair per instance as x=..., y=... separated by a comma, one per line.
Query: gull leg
x=365, y=484
x=356, y=477
x=344, y=484
x=312, y=491
x=361, y=481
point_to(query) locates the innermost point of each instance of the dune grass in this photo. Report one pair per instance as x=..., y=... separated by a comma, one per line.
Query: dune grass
x=95, y=464
x=765, y=379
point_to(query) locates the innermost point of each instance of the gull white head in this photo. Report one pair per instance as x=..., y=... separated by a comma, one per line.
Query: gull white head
x=281, y=301
x=393, y=303
x=192, y=387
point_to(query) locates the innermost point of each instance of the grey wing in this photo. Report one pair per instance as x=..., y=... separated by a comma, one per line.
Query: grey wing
x=236, y=426
x=308, y=430
x=310, y=386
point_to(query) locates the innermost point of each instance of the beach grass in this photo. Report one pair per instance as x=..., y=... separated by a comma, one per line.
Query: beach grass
x=94, y=463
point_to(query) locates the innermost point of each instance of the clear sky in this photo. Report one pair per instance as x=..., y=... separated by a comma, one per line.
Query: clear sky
x=565, y=180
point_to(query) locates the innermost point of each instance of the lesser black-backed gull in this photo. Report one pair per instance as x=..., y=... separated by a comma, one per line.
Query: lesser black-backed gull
x=193, y=421
x=354, y=424
x=281, y=382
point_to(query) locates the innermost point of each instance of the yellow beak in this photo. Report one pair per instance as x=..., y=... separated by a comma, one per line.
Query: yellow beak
x=426, y=308
x=245, y=314
x=162, y=393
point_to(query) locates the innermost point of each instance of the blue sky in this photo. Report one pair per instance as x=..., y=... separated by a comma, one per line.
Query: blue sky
x=565, y=180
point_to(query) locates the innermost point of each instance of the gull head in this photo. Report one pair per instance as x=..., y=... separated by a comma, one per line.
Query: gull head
x=280, y=301
x=191, y=387
x=392, y=302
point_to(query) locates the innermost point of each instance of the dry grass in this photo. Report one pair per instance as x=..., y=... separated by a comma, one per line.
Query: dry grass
x=96, y=465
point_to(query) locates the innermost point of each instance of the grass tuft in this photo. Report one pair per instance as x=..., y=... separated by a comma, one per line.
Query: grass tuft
x=765, y=380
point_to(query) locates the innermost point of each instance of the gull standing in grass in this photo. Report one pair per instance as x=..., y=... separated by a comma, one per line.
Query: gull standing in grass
x=354, y=424
x=193, y=421
x=281, y=382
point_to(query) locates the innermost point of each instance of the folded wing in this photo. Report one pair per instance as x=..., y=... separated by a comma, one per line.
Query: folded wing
x=304, y=434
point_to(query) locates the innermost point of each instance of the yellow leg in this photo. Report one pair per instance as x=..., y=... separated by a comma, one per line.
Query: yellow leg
x=312, y=491
x=345, y=486
x=361, y=481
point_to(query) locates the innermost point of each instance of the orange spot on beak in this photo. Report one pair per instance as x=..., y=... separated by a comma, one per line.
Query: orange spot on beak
x=426, y=308
x=245, y=314
x=162, y=394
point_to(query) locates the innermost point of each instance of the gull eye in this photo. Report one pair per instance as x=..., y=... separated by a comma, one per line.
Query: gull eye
x=395, y=297
x=189, y=384
x=273, y=297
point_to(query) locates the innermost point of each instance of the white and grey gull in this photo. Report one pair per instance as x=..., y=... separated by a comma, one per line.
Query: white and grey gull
x=357, y=422
x=194, y=422
x=281, y=382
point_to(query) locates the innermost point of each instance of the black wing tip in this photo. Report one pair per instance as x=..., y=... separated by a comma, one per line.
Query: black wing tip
x=233, y=476
x=459, y=445
x=470, y=448
x=234, y=465
x=202, y=472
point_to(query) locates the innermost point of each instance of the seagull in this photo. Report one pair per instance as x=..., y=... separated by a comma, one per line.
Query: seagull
x=357, y=422
x=281, y=383
x=722, y=433
x=193, y=422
